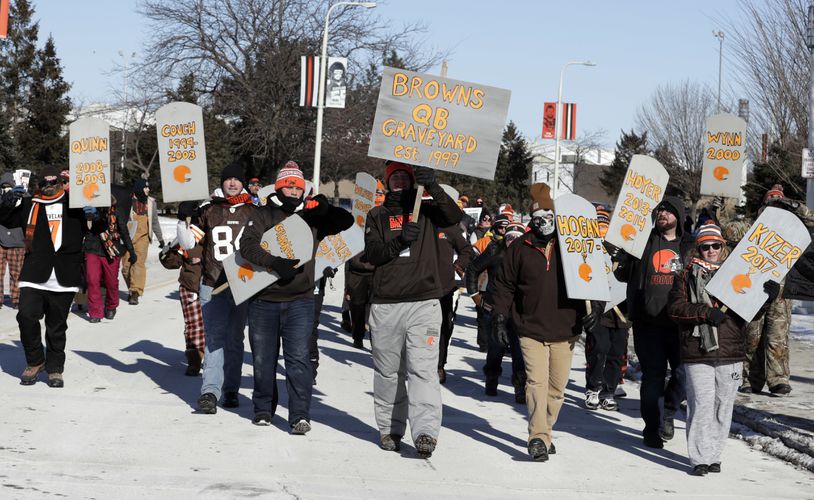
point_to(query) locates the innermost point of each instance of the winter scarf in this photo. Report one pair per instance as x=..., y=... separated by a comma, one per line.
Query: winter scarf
x=31, y=224
x=288, y=204
x=237, y=199
x=111, y=235
x=702, y=271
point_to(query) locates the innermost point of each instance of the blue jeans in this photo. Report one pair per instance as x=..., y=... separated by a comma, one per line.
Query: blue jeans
x=291, y=322
x=223, y=359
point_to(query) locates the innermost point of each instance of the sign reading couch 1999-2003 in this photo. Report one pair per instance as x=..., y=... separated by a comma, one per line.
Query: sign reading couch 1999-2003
x=182, y=152
x=440, y=123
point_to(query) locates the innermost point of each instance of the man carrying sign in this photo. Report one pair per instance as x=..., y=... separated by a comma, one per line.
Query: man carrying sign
x=405, y=315
x=655, y=337
x=284, y=311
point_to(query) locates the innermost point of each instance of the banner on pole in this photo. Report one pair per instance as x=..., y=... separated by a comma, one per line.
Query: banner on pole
x=768, y=251
x=291, y=239
x=808, y=164
x=364, y=195
x=436, y=122
x=549, y=120
x=335, y=250
x=309, y=78
x=724, y=154
x=4, y=5
x=569, y=121
x=581, y=251
x=336, y=82
x=89, y=158
x=182, y=152
x=643, y=189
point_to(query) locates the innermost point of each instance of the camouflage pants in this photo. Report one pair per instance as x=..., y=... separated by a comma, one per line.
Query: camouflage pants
x=767, y=347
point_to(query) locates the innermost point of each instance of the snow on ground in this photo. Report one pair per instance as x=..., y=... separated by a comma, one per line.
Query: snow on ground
x=125, y=427
x=802, y=328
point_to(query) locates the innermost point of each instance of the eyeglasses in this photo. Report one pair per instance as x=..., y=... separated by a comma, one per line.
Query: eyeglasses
x=709, y=246
x=55, y=182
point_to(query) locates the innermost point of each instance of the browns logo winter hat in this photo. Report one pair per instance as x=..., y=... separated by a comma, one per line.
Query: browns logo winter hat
x=776, y=191
x=290, y=176
x=709, y=232
x=394, y=166
x=541, y=197
x=515, y=229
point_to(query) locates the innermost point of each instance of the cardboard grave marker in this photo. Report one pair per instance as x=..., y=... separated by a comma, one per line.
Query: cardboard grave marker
x=474, y=212
x=642, y=190
x=334, y=251
x=724, y=154
x=89, y=158
x=264, y=193
x=617, y=289
x=364, y=195
x=182, y=152
x=437, y=122
x=22, y=177
x=581, y=252
x=451, y=191
x=291, y=239
x=768, y=251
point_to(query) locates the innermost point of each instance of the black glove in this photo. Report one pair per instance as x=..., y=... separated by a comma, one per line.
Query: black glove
x=409, y=233
x=133, y=258
x=591, y=320
x=329, y=272
x=500, y=333
x=284, y=267
x=424, y=176
x=785, y=203
x=715, y=316
x=318, y=205
x=161, y=244
x=772, y=289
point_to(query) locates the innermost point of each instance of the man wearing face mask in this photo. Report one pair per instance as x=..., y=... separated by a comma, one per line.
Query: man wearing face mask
x=51, y=273
x=143, y=225
x=531, y=288
x=405, y=315
x=284, y=311
x=649, y=281
x=12, y=247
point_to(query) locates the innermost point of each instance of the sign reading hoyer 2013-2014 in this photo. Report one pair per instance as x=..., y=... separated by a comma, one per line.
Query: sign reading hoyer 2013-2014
x=439, y=123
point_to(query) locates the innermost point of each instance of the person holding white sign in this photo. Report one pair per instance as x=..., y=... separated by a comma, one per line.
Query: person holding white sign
x=284, y=311
x=530, y=287
x=713, y=347
x=12, y=248
x=405, y=315
x=222, y=221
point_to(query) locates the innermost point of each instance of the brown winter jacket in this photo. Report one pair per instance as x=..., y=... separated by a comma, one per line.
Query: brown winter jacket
x=530, y=285
x=190, y=276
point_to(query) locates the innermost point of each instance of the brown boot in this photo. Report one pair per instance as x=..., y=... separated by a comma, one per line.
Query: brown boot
x=31, y=374
x=194, y=358
x=55, y=380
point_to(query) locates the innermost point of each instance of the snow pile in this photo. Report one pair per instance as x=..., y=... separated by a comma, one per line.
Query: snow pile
x=760, y=430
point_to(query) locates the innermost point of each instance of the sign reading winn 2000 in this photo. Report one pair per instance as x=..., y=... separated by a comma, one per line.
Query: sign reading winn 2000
x=436, y=122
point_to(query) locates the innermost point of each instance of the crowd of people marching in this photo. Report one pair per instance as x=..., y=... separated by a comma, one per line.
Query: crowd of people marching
x=403, y=289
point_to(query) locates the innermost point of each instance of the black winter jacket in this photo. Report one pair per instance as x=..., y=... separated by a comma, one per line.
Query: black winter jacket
x=490, y=261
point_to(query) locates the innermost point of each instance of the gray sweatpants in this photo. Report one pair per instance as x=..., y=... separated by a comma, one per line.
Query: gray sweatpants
x=711, y=390
x=405, y=340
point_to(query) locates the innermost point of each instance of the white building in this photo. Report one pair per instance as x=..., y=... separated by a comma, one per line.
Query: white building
x=572, y=180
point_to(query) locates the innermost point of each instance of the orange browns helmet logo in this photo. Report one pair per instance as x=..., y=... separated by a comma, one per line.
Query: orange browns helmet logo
x=666, y=262
x=90, y=191
x=585, y=272
x=181, y=174
x=245, y=272
x=721, y=173
x=741, y=283
x=628, y=232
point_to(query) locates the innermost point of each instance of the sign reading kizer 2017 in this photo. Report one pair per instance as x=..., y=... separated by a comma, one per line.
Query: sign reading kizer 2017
x=182, y=152
x=439, y=123
x=89, y=158
x=724, y=153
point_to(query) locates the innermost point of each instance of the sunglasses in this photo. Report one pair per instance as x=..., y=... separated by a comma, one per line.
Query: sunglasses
x=55, y=182
x=710, y=246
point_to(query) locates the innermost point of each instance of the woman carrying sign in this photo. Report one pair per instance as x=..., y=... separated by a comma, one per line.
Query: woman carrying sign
x=713, y=347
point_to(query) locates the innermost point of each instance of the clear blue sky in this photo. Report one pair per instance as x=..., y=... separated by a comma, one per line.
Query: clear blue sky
x=520, y=45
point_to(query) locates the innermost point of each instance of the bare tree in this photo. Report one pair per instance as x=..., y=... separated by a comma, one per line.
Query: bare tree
x=675, y=119
x=582, y=149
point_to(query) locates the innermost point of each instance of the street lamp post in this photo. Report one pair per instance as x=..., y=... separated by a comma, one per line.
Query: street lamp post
x=323, y=63
x=810, y=45
x=558, y=126
x=720, y=36
x=126, y=112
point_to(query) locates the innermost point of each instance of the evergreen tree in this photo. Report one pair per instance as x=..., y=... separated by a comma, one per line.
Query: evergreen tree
x=629, y=144
x=40, y=137
x=7, y=150
x=513, y=169
x=782, y=167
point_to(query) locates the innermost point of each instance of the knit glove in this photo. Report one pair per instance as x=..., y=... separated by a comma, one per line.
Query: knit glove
x=133, y=258
x=409, y=233
x=715, y=316
x=284, y=267
x=591, y=320
x=318, y=205
x=772, y=289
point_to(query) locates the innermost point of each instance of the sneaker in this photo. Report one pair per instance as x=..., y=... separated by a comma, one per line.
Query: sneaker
x=552, y=450
x=619, y=392
x=700, y=470
x=442, y=376
x=425, y=445
x=133, y=299
x=538, y=450
x=230, y=400
x=208, y=403
x=94, y=320
x=110, y=314
x=716, y=468
x=300, y=427
x=609, y=404
x=780, y=390
x=746, y=389
x=31, y=374
x=653, y=441
x=390, y=442
x=55, y=380
x=667, y=430
x=592, y=400
x=262, y=418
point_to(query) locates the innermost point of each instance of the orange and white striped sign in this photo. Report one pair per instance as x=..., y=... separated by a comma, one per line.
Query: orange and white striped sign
x=4, y=18
x=569, y=121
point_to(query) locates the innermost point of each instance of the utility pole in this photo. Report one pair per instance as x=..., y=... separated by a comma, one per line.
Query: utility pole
x=810, y=44
x=720, y=36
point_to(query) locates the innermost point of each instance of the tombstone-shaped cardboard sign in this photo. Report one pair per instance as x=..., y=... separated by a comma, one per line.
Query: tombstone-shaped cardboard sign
x=89, y=158
x=334, y=251
x=182, y=152
x=767, y=252
x=451, y=191
x=264, y=193
x=642, y=190
x=291, y=239
x=474, y=212
x=581, y=252
x=617, y=289
x=439, y=123
x=22, y=177
x=724, y=154
x=364, y=195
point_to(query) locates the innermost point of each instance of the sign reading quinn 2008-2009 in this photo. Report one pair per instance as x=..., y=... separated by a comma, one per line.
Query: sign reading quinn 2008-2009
x=439, y=123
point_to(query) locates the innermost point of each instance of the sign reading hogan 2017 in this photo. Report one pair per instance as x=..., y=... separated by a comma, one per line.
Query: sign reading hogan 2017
x=439, y=123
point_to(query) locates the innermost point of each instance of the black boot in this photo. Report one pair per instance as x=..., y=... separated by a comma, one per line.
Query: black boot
x=491, y=386
x=538, y=451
